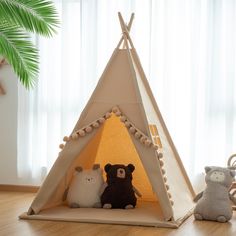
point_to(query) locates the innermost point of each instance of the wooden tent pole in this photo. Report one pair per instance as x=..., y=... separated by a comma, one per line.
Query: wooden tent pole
x=128, y=28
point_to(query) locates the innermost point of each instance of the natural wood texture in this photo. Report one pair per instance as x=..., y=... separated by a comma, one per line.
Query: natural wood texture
x=19, y=188
x=12, y=204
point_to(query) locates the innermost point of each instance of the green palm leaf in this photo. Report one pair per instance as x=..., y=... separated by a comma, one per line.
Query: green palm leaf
x=20, y=53
x=33, y=15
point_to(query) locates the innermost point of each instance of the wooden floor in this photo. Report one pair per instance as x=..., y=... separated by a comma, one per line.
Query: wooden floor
x=13, y=204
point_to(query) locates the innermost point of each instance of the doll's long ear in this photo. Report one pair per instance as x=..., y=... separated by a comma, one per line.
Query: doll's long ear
x=107, y=167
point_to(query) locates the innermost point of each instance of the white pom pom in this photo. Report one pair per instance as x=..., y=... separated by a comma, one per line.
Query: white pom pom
x=108, y=115
x=74, y=136
x=167, y=187
x=137, y=135
x=118, y=113
x=169, y=195
x=127, y=124
x=123, y=119
x=163, y=171
x=95, y=124
x=148, y=143
x=88, y=129
x=101, y=120
x=115, y=109
x=172, y=203
x=132, y=130
x=143, y=139
x=81, y=133
x=165, y=179
x=66, y=139
x=61, y=146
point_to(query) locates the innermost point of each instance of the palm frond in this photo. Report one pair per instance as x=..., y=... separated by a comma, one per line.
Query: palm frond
x=16, y=47
x=38, y=16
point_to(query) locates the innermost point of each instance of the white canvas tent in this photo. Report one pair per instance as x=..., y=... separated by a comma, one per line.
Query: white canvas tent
x=121, y=123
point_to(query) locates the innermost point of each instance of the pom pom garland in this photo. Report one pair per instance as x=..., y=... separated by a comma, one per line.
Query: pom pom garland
x=74, y=136
x=61, y=146
x=81, y=133
x=143, y=139
x=123, y=119
x=127, y=124
x=115, y=109
x=66, y=139
x=95, y=124
x=161, y=163
x=137, y=135
x=88, y=129
x=160, y=155
x=108, y=115
x=118, y=113
x=101, y=120
x=132, y=130
x=148, y=143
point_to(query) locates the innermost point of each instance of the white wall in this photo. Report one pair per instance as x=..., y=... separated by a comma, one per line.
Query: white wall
x=8, y=127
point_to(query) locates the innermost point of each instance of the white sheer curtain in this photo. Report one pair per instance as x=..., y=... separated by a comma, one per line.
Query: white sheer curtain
x=187, y=48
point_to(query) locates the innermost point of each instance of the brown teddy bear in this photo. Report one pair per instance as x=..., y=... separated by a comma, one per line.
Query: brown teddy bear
x=119, y=191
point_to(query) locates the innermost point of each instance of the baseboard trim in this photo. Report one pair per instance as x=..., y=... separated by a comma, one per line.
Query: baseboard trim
x=19, y=188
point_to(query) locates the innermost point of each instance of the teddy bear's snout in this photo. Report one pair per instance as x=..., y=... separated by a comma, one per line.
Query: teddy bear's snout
x=121, y=173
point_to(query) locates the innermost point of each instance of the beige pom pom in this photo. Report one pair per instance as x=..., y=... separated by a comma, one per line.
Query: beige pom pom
x=101, y=120
x=81, y=133
x=161, y=163
x=74, y=136
x=127, y=124
x=169, y=195
x=61, y=146
x=167, y=187
x=115, y=109
x=160, y=155
x=137, y=135
x=88, y=129
x=95, y=124
x=163, y=171
x=143, y=139
x=165, y=179
x=66, y=139
x=148, y=143
x=123, y=119
x=108, y=115
x=172, y=203
x=132, y=130
x=118, y=113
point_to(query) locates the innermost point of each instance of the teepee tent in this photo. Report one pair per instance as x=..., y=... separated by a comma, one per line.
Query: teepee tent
x=121, y=123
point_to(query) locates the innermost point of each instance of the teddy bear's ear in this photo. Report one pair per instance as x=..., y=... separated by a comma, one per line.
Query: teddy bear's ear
x=107, y=167
x=79, y=168
x=207, y=169
x=96, y=166
x=131, y=167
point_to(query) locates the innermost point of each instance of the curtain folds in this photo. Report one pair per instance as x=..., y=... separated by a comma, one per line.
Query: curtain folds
x=187, y=49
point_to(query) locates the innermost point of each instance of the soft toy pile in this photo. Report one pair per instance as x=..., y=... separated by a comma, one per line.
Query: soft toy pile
x=214, y=203
x=88, y=188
